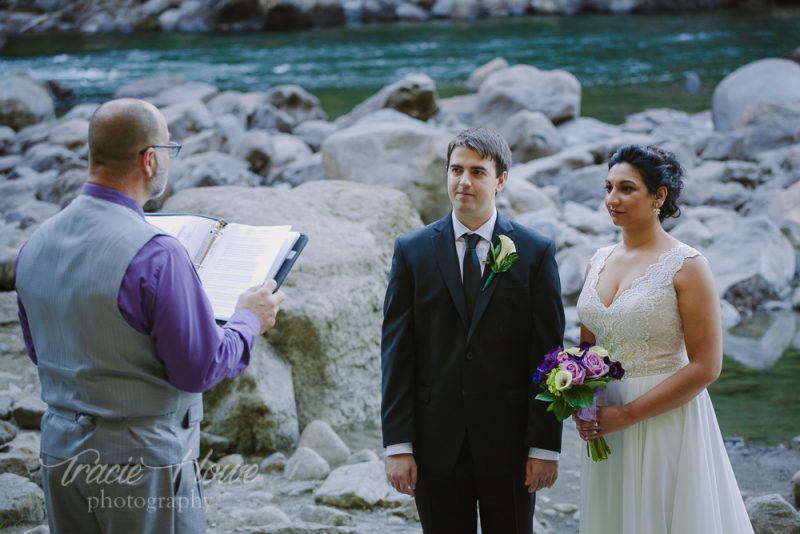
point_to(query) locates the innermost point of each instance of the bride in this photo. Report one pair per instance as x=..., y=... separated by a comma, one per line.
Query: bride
x=651, y=301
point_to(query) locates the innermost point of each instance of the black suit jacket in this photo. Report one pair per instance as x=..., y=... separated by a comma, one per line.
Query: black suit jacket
x=444, y=378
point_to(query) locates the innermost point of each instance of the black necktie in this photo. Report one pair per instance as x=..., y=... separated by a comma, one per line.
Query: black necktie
x=472, y=272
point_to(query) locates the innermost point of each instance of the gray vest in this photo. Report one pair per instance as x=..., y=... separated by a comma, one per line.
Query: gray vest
x=103, y=382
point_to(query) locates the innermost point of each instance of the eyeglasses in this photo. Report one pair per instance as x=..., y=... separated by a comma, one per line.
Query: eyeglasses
x=172, y=147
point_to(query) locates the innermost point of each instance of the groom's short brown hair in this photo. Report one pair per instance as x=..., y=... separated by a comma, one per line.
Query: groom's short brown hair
x=487, y=142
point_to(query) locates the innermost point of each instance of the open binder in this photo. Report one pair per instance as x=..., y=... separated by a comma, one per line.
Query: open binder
x=231, y=257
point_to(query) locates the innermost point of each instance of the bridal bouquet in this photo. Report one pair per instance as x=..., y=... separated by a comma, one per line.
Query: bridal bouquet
x=571, y=380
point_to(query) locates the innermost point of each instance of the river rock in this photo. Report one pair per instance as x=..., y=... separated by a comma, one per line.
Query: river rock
x=296, y=102
x=660, y=118
x=587, y=220
x=275, y=462
x=27, y=446
x=306, y=464
x=24, y=102
x=30, y=214
x=13, y=463
x=584, y=186
x=187, y=118
x=456, y=9
x=147, y=88
x=572, y=264
x=531, y=135
x=364, y=455
x=314, y=132
x=771, y=514
x=727, y=195
x=583, y=130
x=62, y=188
x=288, y=149
x=20, y=500
x=480, y=74
x=267, y=117
x=7, y=136
x=212, y=169
x=753, y=262
x=7, y=432
x=325, y=515
x=415, y=95
x=257, y=149
x=71, y=134
x=409, y=12
x=329, y=328
x=304, y=14
x=759, y=341
x=321, y=438
x=555, y=93
x=405, y=157
x=189, y=16
x=548, y=170
x=768, y=125
x=524, y=197
x=307, y=169
x=771, y=80
x=359, y=486
x=260, y=517
x=692, y=232
x=184, y=93
x=46, y=157
x=28, y=411
x=546, y=223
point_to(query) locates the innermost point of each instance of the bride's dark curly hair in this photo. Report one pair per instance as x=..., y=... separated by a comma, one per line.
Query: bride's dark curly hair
x=658, y=167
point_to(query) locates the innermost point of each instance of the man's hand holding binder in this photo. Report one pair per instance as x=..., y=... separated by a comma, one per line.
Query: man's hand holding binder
x=264, y=301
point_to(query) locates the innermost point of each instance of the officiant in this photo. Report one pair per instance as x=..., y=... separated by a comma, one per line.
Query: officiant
x=113, y=313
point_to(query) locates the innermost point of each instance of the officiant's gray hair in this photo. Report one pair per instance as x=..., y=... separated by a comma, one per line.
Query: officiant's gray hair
x=487, y=142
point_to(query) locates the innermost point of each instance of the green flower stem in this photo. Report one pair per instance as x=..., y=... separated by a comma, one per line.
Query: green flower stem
x=598, y=449
x=488, y=280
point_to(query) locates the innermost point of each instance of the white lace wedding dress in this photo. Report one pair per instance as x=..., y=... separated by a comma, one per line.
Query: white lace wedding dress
x=669, y=474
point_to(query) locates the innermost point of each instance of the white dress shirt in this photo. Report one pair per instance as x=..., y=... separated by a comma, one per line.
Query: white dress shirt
x=482, y=249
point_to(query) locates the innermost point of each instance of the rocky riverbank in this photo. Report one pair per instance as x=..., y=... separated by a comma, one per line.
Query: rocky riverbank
x=356, y=183
x=106, y=16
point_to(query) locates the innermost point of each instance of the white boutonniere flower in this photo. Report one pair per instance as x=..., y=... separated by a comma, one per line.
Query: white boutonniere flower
x=500, y=257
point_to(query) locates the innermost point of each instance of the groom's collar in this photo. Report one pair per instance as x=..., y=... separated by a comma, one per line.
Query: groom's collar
x=486, y=230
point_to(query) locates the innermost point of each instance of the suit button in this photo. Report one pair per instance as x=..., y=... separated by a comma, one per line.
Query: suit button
x=469, y=356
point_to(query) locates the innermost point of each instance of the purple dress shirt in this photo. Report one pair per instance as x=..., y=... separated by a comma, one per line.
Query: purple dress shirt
x=161, y=296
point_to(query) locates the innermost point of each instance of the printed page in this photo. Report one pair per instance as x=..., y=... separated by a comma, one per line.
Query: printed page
x=190, y=230
x=242, y=256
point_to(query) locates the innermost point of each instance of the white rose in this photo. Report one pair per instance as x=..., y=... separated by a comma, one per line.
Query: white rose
x=600, y=351
x=563, y=380
x=506, y=247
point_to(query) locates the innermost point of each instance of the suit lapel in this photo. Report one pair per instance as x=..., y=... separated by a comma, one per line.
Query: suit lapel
x=501, y=226
x=444, y=249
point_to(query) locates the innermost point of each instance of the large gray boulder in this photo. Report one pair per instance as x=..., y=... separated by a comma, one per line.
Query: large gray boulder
x=752, y=262
x=328, y=330
x=306, y=464
x=555, y=93
x=415, y=95
x=20, y=500
x=771, y=514
x=771, y=80
x=480, y=74
x=758, y=342
x=23, y=102
x=186, y=92
x=147, y=88
x=187, y=118
x=407, y=157
x=531, y=135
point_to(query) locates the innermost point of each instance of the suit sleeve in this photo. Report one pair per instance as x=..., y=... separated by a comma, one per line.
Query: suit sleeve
x=397, y=354
x=544, y=430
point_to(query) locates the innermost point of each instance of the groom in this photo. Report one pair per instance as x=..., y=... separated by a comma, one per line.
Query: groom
x=460, y=422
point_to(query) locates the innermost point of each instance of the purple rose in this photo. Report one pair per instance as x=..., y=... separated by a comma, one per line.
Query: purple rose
x=577, y=371
x=595, y=366
x=615, y=368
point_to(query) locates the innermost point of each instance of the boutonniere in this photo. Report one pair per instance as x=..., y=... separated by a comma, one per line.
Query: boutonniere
x=500, y=257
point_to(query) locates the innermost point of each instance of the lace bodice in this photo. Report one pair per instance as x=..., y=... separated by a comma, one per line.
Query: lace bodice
x=642, y=327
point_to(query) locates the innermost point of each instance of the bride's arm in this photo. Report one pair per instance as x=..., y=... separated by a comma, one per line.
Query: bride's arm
x=698, y=304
